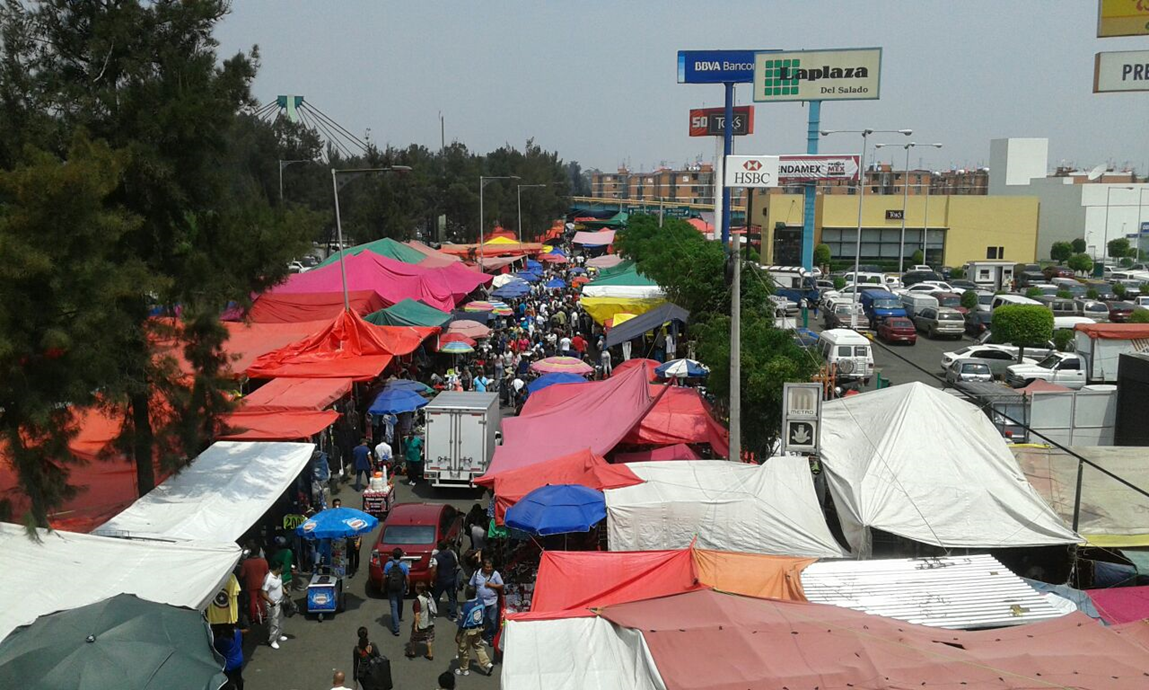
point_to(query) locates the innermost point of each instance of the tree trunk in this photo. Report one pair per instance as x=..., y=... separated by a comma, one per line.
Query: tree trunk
x=143, y=442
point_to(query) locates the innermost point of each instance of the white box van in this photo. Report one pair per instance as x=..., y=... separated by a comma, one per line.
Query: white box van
x=849, y=352
x=462, y=431
x=1000, y=300
x=914, y=302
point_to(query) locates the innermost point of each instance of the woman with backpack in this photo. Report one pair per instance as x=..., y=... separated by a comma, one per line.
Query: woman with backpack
x=371, y=670
x=423, y=625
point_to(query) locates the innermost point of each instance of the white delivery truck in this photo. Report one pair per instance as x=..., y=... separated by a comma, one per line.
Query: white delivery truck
x=461, y=435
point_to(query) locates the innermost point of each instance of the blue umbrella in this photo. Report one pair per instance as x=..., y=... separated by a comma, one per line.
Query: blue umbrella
x=578, y=270
x=512, y=291
x=681, y=368
x=406, y=385
x=551, y=379
x=528, y=276
x=396, y=400
x=534, y=266
x=557, y=509
x=555, y=284
x=338, y=523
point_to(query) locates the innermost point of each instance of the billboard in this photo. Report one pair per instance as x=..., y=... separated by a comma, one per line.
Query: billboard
x=707, y=122
x=751, y=171
x=715, y=66
x=817, y=75
x=796, y=169
x=1122, y=18
x=1121, y=71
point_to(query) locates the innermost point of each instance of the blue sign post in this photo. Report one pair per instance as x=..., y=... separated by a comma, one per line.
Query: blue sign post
x=811, y=190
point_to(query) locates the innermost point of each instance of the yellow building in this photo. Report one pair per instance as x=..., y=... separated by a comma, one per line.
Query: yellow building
x=960, y=228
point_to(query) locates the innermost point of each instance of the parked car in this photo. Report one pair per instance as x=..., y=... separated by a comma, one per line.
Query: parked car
x=978, y=322
x=295, y=267
x=1119, y=312
x=929, y=286
x=849, y=352
x=309, y=261
x=1007, y=298
x=920, y=267
x=940, y=321
x=964, y=285
x=1142, y=301
x=996, y=357
x=985, y=300
x=951, y=300
x=1051, y=272
x=880, y=305
x=913, y=277
x=893, y=282
x=1092, y=309
x=966, y=371
x=897, y=329
x=1063, y=368
x=824, y=285
x=1058, y=305
x=1036, y=353
x=417, y=528
x=839, y=316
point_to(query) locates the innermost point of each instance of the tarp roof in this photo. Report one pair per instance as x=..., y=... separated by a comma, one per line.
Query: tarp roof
x=604, y=261
x=385, y=247
x=955, y=485
x=59, y=571
x=297, y=394
x=1112, y=514
x=581, y=467
x=392, y=280
x=597, y=419
x=624, y=283
x=718, y=504
x=541, y=654
x=1121, y=604
x=434, y=257
x=280, y=425
x=348, y=347
x=218, y=497
x=409, y=312
x=648, y=365
x=600, y=238
x=1114, y=331
x=679, y=451
x=680, y=416
x=728, y=642
x=311, y=306
x=655, y=318
x=247, y=341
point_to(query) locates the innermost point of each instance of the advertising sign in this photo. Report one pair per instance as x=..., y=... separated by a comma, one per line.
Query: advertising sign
x=1145, y=227
x=801, y=414
x=715, y=66
x=895, y=214
x=817, y=75
x=708, y=122
x=1122, y=18
x=752, y=171
x=815, y=168
x=1121, y=71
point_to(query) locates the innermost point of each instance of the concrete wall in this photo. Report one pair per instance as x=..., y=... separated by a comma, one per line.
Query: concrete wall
x=1015, y=162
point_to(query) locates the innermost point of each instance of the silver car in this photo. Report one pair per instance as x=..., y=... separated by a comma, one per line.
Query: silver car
x=940, y=321
x=965, y=371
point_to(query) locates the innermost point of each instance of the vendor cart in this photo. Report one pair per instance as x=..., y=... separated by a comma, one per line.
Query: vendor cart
x=331, y=529
x=379, y=496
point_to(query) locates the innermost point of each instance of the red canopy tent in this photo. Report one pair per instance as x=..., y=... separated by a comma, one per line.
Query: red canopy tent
x=680, y=416
x=394, y=281
x=285, y=410
x=311, y=306
x=1121, y=604
x=679, y=451
x=574, y=582
x=348, y=348
x=247, y=341
x=649, y=364
x=297, y=394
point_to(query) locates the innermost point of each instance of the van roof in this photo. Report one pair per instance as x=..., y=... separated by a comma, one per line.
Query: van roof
x=1017, y=299
x=845, y=336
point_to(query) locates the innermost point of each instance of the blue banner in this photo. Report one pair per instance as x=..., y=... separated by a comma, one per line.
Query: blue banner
x=716, y=66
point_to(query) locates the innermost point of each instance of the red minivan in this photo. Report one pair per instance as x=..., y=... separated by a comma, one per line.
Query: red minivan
x=417, y=528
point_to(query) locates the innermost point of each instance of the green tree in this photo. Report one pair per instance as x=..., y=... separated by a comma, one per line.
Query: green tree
x=1022, y=325
x=1139, y=315
x=918, y=258
x=1119, y=290
x=1080, y=263
x=1120, y=248
x=1060, y=251
x=1062, y=339
x=957, y=273
x=1078, y=245
x=822, y=255
x=1092, y=293
x=1033, y=292
x=1064, y=294
x=969, y=300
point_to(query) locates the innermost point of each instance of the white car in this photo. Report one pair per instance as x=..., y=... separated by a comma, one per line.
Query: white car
x=893, y=283
x=919, y=267
x=998, y=357
x=928, y=287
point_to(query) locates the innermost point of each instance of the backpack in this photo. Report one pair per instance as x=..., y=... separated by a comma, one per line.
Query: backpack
x=375, y=673
x=448, y=565
x=396, y=582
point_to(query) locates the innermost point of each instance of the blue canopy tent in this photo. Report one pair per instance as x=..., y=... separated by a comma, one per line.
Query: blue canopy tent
x=577, y=270
x=395, y=401
x=555, y=284
x=511, y=291
x=557, y=509
x=407, y=385
x=547, y=380
x=534, y=266
x=529, y=276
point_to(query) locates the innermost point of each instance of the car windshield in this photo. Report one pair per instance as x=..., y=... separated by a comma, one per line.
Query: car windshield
x=1049, y=362
x=950, y=301
x=900, y=323
x=949, y=316
x=985, y=299
x=887, y=303
x=409, y=534
x=975, y=368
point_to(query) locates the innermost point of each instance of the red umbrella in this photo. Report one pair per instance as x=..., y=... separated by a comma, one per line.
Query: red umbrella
x=471, y=329
x=456, y=338
x=561, y=365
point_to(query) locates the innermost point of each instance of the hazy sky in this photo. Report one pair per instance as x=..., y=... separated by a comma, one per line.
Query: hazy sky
x=596, y=80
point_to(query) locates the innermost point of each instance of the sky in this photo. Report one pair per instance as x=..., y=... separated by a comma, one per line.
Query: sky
x=596, y=80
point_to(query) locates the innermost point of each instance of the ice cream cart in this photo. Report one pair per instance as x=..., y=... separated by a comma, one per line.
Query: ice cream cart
x=331, y=529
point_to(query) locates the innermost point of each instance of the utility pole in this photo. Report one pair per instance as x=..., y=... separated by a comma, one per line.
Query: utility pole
x=735, y=350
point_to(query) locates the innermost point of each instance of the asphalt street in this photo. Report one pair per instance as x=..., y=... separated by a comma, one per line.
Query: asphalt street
x=314, y=650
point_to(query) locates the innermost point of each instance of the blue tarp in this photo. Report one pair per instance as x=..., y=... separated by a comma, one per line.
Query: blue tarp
x=528, y=276
x=534, y=266
x=551, y=379
x=557, y=509
x=337, y=523
x=555, y=284
x=511, y=291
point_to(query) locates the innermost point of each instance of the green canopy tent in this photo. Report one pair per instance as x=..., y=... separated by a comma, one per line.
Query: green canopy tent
x=409, y=312
x=626, y=273
x=385, y=247
x=616, y=221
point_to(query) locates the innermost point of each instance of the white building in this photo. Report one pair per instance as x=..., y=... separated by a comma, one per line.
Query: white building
x=1070, y=208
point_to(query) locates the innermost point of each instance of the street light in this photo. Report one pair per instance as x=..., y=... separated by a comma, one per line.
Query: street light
x=861, y=195
x=283, y=164
x=351, y=174
x=519, y=193
x=483, y=183
x=905, y=199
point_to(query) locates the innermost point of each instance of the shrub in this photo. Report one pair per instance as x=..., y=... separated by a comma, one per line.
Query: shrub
x=1139, y=316
x=969, y=300
x=1062, y=339
x=1023, y=325
x=1080, y=263
x=1033, y=293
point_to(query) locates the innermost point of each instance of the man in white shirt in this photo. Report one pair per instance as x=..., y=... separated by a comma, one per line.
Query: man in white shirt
x=272, y=593
x=383, y=452
x=565, y=346
x=671, y=346
x=338, y=680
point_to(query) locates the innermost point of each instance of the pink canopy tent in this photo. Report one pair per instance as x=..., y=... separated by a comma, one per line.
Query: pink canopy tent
x=679, y=451
x=597, y=419
x=435, y=258
x=596, y=238
x=283, y=307
x=1121, y=604
x=604, y=261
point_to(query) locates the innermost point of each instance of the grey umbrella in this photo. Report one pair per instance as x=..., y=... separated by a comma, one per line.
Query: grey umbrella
x=121, y=643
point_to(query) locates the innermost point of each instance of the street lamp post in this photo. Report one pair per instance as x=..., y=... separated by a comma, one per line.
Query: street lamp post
x=519, y=193
x=905, y=200
x=351, y=174
x=283, y=164
x=861, y=195
x=483, y=183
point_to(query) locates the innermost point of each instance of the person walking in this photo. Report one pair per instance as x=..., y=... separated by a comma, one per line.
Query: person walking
x=605, y=359
x=252, y=572
x=445, y=577
x=414, y=451
x=470, y=635
x=489, y=584
x=272, y=593
x=396, y=577
x=361, y=456
x=423, y=612
x=228, y=641
x=383, y=454
x=337, y=681
x=369, y=668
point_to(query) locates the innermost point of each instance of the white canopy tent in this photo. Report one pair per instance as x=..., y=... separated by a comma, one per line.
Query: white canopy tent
x=729, y=506
x=218, y=496
x=64, y=570
x=575, y=653
x=623, y=291
x=917, y=462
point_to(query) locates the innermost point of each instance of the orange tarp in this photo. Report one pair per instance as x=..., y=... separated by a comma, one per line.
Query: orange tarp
x=751, y=574
x=1115, y=331
x=279, y=425
x=274, y=307
x=296, y=394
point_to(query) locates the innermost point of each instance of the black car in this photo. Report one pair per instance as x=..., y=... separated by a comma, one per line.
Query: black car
x=978, y=322
x=964, y=284
x=914, y=277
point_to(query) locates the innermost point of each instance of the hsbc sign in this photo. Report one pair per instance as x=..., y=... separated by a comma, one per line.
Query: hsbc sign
x=752, y=171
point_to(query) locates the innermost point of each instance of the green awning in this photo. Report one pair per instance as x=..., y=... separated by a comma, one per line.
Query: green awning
x=385, y=247
x=625, y=273
x=409, y=312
